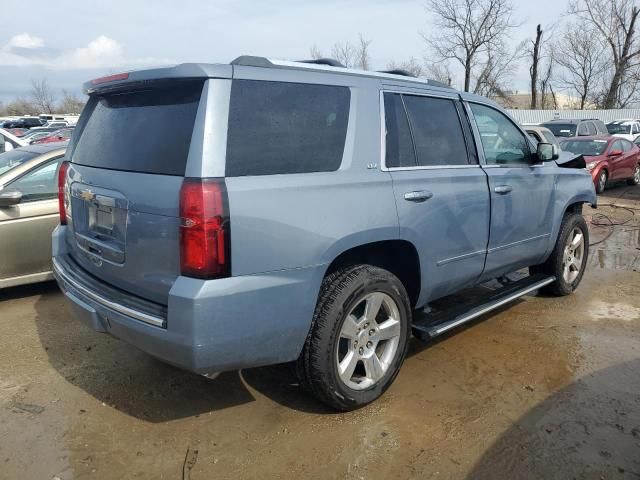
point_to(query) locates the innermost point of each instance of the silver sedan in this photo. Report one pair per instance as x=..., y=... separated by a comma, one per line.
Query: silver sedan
x=28, y=212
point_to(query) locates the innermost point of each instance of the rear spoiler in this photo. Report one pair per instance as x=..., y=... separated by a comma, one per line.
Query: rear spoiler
x=137, y=78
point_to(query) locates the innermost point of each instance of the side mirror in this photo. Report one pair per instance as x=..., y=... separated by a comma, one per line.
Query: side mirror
x=547, y=152
x=615, y=153
x=8, y=199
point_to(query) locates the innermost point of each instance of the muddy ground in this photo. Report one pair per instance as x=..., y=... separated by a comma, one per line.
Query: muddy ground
x=547, y=388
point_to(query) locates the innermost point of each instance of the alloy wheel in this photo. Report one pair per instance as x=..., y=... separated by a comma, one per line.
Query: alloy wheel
x=573, y=256
x=368, y=341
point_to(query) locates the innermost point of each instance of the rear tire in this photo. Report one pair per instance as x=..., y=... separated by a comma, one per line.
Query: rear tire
x=568, y=259
x=635, y=180
x=601, y=184
x=358, y=338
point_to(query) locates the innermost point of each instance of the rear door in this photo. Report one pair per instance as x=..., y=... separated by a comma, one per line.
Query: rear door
x=441, y=192
x=617, y=163
x=522, y=194
x=128, y=162
x=630, y=159
x=25, y=228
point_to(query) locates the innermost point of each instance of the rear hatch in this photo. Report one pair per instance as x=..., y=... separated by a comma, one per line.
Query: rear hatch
x=127, y=166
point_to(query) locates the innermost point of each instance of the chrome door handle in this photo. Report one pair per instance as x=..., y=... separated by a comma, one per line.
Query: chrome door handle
x=418, y=196
x=502, y=189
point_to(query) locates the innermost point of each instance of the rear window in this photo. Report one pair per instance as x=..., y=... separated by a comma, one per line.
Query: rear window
x=617, y=128
x=147, y=131
x=278, y=128
x=589, y=148
x=561, y=129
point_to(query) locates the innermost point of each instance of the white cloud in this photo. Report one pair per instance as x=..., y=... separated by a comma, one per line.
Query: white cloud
x=101, y=52
x=23, y=40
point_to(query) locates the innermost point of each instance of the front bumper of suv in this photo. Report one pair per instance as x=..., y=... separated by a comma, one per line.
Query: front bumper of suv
x=206, y=326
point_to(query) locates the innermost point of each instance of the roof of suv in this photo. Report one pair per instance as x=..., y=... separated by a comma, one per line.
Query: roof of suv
x=571, y=120
x=212, y=70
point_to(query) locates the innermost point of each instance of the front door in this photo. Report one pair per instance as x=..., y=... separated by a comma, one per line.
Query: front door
x=441, y=192
x=25, y=228
x=522, y=194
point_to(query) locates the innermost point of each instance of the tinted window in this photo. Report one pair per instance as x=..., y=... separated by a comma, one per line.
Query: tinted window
x=582, y=129
x=400, y=152
x=277, y=127
x=618, y=128
x=502, y=142
x=38, y=184
x=13, y=158
x=626, y=146
x=437, y=133
x=589, y=148
x=140, y=131
x=591, y=128
x=561, y=129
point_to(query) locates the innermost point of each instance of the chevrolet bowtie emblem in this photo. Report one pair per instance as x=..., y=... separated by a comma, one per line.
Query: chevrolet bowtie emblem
x=87, y=195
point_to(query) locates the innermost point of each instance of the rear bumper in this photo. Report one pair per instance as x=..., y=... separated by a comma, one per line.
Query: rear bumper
x=208, y=326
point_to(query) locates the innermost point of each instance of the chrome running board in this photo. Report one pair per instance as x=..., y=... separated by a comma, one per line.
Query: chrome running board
x=430, y=325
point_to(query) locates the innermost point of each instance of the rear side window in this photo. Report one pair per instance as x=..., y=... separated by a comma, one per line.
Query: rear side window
x=437, y=132
x=400, y=152
x=279, y=128
x=147, y=131
x=591, y=128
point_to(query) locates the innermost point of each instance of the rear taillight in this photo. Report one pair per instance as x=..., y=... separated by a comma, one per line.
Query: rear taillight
x=204, y=228
x=62, y=180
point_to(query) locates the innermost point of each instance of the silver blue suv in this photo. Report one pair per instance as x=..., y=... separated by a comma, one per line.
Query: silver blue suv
x=229, y=216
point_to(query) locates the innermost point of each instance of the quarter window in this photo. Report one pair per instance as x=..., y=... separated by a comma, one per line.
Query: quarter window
x=278, y=128
x=399, y=148
x=437, y=132
x=502, y=142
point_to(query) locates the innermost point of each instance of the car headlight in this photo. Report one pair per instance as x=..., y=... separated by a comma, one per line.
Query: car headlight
x=591, y=165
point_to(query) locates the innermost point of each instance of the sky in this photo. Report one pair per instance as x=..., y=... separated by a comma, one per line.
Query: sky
x=71, y=41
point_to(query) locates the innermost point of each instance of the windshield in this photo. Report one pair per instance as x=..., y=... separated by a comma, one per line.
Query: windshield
x=588, y=148
x=616, y=128
x=13, y=158
x=561, y=129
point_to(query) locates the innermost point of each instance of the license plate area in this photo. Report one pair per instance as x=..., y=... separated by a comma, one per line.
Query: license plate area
x=101, y=219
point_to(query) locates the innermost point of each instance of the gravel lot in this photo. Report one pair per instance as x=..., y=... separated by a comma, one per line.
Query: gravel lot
x=546, y=388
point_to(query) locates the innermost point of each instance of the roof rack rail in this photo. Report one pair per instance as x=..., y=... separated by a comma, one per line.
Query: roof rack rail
x=324, y=61
x=398, y=71
x=252, y=61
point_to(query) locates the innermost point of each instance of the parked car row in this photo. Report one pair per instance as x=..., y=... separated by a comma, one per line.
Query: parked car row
x=611, y=151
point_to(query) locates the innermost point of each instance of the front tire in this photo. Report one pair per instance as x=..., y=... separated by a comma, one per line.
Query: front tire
x=601, y=184
x=358, y=338
x=568, y=260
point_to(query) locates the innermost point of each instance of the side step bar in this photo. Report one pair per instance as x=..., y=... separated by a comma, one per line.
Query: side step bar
x=427, y=326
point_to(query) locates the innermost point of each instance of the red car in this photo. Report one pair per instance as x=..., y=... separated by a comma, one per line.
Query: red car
x=609, y=159
x=62, y=135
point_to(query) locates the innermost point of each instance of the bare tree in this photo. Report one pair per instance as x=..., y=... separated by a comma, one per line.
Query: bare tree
x=467, y=29
x=353, y=56
x=42, y=96
x=546, y=88
x=413, y=66
x=533, y=69
x=70, y=103
x=496, y=71
x=616, y=22
x=440, y=71
x=315, y=52
x=582, y=56
x=349, y=54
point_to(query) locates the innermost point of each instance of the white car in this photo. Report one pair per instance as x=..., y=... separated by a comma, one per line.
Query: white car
x=627, y=129
x=8, y=141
